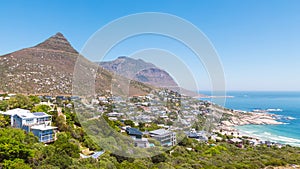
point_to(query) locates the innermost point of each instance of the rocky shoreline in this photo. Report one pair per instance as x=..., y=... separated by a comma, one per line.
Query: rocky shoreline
x=240, y=119
x=233, y=118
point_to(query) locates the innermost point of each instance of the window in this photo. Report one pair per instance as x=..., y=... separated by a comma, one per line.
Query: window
x=29, y=121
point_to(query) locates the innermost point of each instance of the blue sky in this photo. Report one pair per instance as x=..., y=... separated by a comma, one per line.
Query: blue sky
x=257, y=40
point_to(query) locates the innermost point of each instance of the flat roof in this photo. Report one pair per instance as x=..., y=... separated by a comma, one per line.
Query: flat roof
x=16, y=111
x=159, y=132
x=43, y=127
x=23, y=113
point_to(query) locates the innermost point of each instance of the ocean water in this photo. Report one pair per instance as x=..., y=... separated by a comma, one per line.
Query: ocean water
x=288, y=102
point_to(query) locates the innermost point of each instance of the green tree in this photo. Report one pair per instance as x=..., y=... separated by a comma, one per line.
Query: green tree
x=215, y=150
x=186, y=141
x=15, y=164
x=41, y=108
x=65, y=145
x=14, y=143
x=60, y=122
x=3, y=105
x=129, y=123
x=88, y=142
x=141, y=125
x=34, y=99
x=159, y=158
x=20, y=101
x=59, y=159
x=4, y=121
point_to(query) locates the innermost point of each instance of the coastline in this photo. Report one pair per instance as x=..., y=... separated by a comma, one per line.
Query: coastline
x=211, y=97
x=236, y=118
x=284, y=106
x=240, y=118
x=257, y=131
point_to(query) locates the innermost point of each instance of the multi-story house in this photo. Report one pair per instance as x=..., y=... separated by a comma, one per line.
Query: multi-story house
x=165, y=137
x=38, y=123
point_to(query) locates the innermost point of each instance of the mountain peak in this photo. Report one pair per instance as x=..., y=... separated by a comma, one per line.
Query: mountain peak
x=57, y=42
x=123, y=57
x=59, y=34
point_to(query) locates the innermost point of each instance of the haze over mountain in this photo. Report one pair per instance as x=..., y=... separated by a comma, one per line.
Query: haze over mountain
x=137, y=69
x=48, y=68
x=145, y=72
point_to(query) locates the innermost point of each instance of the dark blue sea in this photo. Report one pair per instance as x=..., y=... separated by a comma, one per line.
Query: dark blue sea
x=284, y=104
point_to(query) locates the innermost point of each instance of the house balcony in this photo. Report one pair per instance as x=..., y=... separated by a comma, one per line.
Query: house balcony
x=47, y=138
x=44, y=122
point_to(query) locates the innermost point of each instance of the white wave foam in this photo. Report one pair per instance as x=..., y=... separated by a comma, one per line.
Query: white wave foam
x=274, y=110
x=291, y=118
x=267, y=136
x=267, y=133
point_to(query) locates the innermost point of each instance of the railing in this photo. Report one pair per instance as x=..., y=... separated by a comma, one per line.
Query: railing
x=43, y=121
x=47, y=138
x=46, y=133
x=38, y=122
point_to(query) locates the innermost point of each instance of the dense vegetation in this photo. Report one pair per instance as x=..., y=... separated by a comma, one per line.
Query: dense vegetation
x=21, y=150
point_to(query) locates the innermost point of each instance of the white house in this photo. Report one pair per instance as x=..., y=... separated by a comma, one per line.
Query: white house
x=38, y=123
x=165, y=137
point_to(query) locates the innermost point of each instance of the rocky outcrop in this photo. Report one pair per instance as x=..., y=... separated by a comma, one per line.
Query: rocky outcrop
x=57, y=42
x=155, y=77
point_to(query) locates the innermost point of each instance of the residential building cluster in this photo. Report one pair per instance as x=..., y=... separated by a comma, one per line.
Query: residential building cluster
x=168, y=111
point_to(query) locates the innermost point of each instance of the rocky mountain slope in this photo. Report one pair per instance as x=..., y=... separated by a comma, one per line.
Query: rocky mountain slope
x=48, y=67
x=139, y=70
x=145, y=72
